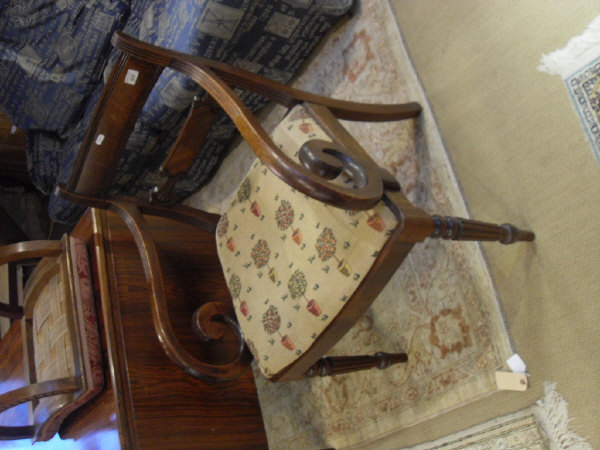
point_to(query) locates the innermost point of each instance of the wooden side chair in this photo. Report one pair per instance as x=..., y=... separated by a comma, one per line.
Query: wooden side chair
x=61, y=351
x=307, y=242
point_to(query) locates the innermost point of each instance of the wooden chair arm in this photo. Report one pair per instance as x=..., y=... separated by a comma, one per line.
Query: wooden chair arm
x=138, y=227
x=28, y=250
x=277, y=92
x=22, y=251
x=32, y=392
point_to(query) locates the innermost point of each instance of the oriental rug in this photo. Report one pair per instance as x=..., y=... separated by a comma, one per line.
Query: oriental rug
x=440, y=307
x=578, y=63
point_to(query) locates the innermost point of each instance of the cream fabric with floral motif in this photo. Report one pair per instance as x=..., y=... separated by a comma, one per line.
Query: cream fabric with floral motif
x=290, y=261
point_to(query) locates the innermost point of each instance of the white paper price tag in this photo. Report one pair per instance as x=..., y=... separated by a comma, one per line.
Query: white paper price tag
x=516, y=364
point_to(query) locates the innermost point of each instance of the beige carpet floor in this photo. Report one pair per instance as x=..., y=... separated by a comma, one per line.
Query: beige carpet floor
x=519, y=151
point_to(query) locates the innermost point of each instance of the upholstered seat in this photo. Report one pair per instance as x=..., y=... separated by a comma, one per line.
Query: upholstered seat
x=292, y=262
x=64, y=367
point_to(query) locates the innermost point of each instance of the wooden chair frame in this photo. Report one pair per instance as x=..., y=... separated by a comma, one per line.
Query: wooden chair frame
x=56, y=260
x=131, y=81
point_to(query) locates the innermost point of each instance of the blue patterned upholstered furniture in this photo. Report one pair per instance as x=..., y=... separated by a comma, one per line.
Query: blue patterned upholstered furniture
x=53, y=56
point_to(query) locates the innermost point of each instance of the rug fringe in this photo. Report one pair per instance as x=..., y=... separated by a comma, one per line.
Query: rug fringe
x=551, y=412
x=579, y=50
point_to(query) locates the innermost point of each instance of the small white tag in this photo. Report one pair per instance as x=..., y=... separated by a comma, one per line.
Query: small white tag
x=99, y=139
x=13, y=129
x=507, y=381
x=516, y=364
x=131, y=77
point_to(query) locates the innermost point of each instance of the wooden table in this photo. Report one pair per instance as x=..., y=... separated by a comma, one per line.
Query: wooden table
x=148, y=402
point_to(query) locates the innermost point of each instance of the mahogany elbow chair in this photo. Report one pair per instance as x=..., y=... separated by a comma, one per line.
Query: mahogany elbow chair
x=305, y=246
x=61, y=352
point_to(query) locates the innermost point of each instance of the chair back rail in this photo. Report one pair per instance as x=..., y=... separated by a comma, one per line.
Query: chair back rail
x=28, y=250
x=120, y=104
x=20, y=252
x=131, y=81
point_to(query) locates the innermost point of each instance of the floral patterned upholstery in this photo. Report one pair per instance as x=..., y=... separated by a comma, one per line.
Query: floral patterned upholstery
x=291, y=262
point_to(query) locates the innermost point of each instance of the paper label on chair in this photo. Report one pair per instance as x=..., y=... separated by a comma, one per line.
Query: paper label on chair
x=99, y=139
x=131, y=77
x=508, y=381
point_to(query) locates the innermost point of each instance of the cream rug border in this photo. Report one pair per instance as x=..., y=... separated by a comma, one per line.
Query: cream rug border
x=548, y=418
x=485, y=435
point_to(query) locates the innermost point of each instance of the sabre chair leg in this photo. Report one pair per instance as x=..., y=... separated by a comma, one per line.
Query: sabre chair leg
x=459, y=229
x=337, y=365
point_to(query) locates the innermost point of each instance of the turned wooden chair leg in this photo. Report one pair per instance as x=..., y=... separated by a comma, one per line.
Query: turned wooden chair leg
x=459, y=229
x=336, y=365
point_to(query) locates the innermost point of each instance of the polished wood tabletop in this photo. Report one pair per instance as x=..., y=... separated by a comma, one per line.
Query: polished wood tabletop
x=148, y=402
